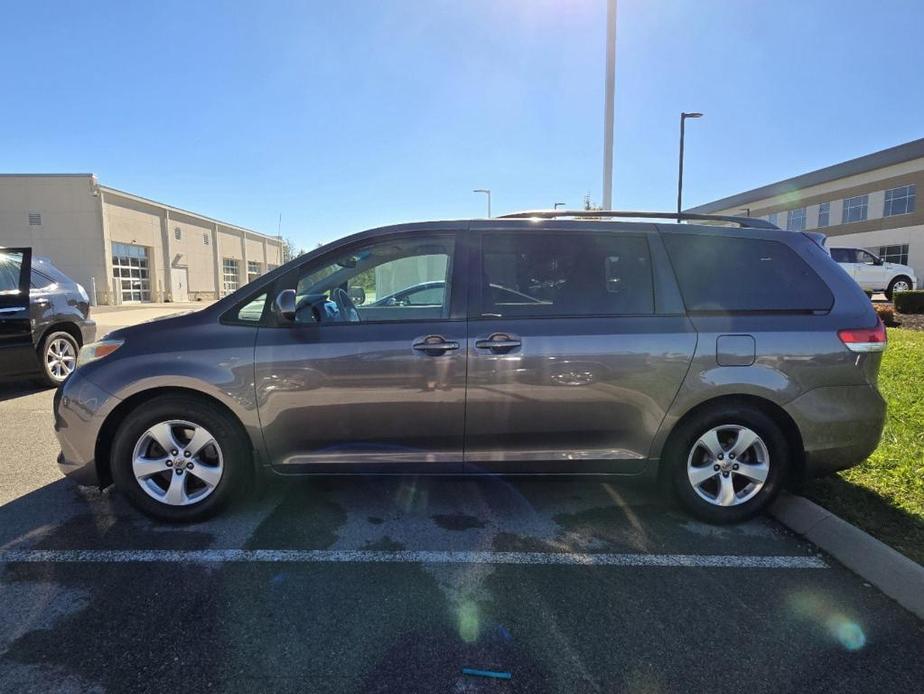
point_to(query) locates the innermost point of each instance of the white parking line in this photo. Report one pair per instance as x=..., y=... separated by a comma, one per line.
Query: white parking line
x=115, y=556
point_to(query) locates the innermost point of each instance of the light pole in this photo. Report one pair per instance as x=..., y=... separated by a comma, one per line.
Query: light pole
x=557, y=204
x=683, y=118
x=609, y=89
x=488, y=193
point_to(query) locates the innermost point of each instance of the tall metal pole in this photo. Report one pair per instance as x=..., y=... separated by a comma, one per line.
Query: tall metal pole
x=609, y=90
x=683, y=119
x=488, y=193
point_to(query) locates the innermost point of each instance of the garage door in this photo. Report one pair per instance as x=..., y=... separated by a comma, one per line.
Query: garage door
x=131, y=272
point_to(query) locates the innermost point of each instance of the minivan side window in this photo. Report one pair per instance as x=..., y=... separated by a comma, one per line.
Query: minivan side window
x=390, y=279
x=727, y=274
x=532, y=274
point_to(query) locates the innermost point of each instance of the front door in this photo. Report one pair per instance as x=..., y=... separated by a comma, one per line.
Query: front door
x=365, y=378
x=572, y=365
x=17, y=354
x=869, y=271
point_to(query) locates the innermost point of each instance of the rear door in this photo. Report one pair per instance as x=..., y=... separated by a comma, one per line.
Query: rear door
x=577, y=346
x=16, y=350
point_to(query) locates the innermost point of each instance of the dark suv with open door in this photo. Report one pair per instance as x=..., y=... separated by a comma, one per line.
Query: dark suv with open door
x=44, y=318
x=725, y=360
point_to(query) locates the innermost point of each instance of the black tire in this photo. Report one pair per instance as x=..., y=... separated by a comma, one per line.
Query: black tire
x=891, y=288
x=48, y=375
x=235, y=451
x=681, y=445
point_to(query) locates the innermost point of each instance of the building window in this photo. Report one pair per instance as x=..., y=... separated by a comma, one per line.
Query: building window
x=205, y=239
x=894, y=254
x=35, y=219
x=772, y=217
x=178, y=233
x=230, y=274
x=130, y=272
x=795, y=219
x=824, y=214
x=253, y=270
x=899, y=201
x=855, y=208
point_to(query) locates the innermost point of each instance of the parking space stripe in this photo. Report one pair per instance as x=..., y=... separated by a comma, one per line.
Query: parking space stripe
x=115, y=556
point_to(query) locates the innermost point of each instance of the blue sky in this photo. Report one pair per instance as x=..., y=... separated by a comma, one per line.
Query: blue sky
x=347, y=115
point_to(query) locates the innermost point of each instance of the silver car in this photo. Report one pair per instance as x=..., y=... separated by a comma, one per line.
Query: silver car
x=724, y=361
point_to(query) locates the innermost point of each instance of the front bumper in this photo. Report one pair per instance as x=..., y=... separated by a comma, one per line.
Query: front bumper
x=80, y=408
x=840, y=426
x=87, y=331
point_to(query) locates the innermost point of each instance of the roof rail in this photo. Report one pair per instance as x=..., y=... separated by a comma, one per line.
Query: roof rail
x=748, y=222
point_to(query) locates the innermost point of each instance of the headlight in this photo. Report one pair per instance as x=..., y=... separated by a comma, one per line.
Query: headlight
x=97, y=350
x=83, y=293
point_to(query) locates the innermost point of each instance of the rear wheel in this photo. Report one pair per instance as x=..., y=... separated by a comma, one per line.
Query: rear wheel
x=899, y=284
x=58, y=356
x=178, y=458
x=727, y=463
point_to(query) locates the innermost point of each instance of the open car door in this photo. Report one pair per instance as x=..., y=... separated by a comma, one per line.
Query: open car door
x=17, y=354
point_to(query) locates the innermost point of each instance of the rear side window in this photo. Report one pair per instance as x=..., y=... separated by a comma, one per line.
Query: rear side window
x=844, y=255
x=571, y=274
x=737, y=274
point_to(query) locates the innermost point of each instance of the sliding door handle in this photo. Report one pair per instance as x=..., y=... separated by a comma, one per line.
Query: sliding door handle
x=499, y=343
x=435, y=345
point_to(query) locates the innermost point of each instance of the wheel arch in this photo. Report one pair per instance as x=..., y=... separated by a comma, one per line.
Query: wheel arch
x=106, y=434
x=61, y=326
x=779, y=415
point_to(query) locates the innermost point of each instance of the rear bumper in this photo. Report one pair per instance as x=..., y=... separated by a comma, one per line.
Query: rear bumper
x=87, y=331
x=840, y=426
x=80, y=408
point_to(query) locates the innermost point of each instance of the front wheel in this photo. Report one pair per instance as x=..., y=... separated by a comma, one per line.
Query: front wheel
x=178, y=458
x=899, y=284
x=726, y=464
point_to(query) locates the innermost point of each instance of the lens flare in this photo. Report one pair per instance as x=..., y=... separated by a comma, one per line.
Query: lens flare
x=469, y=625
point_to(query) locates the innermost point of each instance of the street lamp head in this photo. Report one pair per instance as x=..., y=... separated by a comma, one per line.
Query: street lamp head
x=691, y=115
x=481, y=190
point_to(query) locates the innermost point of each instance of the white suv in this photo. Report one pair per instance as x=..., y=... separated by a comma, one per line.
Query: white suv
x=874, y=274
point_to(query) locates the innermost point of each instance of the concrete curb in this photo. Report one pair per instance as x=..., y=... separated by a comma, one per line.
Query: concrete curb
x=891, y=572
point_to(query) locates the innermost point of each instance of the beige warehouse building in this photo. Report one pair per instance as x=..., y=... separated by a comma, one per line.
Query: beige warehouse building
x=869, y=202
x=131, y=249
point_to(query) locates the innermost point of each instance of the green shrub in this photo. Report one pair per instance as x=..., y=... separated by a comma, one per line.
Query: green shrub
x=909, y=302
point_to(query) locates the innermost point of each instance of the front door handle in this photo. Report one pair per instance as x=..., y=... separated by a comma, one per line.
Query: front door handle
x=499, y=343
x=435, y=345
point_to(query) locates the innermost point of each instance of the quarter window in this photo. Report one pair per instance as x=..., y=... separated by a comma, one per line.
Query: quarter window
x=768, y=275
x=390, y=280
x=231, y=277
x=824, y=214
x=899, y=201
x=535, y=274
x=894, y=254
x=795, y=219
x=855, y=208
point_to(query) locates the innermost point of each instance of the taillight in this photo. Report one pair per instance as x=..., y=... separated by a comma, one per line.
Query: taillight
x=865, y=339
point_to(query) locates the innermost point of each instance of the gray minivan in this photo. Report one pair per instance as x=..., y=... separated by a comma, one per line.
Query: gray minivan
x=726, y=361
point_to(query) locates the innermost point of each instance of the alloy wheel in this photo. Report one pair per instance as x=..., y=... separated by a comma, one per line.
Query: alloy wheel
x=60, y=358
x=901, y=286
x=177, y=462
x=728, y=465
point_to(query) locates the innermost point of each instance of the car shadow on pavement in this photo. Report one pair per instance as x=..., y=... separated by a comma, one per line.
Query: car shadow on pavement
x=871, y=512
x=17, y=389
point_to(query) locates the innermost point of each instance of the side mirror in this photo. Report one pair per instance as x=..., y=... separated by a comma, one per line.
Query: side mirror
x=357, y=295
x=878, y=261
x=284, y=305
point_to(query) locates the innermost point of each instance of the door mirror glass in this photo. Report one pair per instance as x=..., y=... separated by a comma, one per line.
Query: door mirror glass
x=284, y=306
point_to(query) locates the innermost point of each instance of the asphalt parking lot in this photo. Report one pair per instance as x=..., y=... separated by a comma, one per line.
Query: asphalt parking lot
x=397, y=583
